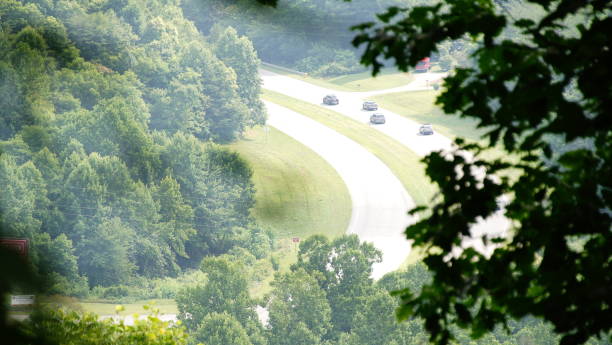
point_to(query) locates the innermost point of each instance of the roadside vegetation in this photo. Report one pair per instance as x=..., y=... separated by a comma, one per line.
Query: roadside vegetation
x=355, y=82
x=404, y=163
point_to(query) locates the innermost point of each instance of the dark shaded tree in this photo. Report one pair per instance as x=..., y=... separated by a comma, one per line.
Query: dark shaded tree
x=536, y=96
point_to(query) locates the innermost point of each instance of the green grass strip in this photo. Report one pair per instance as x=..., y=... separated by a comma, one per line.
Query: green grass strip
x=404, y=163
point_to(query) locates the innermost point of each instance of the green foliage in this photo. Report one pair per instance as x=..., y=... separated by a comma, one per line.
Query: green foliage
x=224, y=292
x=221, y=329
x=342, y=268
x=298, y=309
x=103, y=107
x=65, y=327
x=545, y=88
x=310, y=35
x=238, y=54
x=325, y=61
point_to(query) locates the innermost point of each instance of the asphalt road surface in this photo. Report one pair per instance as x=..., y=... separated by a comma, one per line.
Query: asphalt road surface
x=378, y=198
x=397, y=127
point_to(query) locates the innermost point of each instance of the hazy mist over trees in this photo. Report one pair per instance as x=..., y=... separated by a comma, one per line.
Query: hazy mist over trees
x=111, y=111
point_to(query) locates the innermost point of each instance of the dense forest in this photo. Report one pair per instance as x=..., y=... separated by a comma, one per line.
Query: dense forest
x=311, y=36
x=315, y=36
x=112, y=112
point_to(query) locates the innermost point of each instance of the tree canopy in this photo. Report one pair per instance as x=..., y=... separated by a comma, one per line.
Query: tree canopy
x=110, y=163
x=543, y=94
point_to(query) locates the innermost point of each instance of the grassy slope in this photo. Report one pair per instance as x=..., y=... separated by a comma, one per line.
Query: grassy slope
x=363, y=81
x=298, y=193
x=404, y=163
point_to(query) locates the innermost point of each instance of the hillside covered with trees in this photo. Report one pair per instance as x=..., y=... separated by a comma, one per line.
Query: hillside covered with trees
x=112, y=112
x=311, y=36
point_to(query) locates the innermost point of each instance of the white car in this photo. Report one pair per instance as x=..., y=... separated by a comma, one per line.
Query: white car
x=426, y=129
x=369, y=105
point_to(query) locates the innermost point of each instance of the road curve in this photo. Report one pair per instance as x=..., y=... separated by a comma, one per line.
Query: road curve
x=378, y=198
x=397, y=127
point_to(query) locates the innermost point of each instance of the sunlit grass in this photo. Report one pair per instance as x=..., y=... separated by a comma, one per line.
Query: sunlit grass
x=403, y=162
x=165, y=306
x=388, y=78
x=298, y=193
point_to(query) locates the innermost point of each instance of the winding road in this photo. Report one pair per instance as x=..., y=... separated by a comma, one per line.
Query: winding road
x=397, y=127
x=378, y=198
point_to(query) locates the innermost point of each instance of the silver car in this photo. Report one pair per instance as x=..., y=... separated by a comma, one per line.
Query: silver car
x=331, y=100
x=369, y=105
x=426, y=129
x=377, y=119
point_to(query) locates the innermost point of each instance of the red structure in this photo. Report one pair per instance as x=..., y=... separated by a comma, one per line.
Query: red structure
x=423, y=65
x=19, y=245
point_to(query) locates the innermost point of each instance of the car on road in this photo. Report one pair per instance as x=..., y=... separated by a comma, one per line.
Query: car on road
x=423, y=66
x=426, y=129
x=331, y=100
x=377, y=119
x=369, y=105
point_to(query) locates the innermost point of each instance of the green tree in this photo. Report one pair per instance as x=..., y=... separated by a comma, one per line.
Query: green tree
x=375, y=324
x=548, y=84
x=225, y=114
x=238, y=53
x=116, y=127
x=103, y=250
x=298, y=308
x=414, y=277
x=221, y=329
x=23, y=198
x=181, y=107
x=226, y=291
x=55, y=255
x=343, y=268
x=176, y=215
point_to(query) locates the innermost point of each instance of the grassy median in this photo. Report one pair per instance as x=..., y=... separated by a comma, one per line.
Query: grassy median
x=404, y=163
